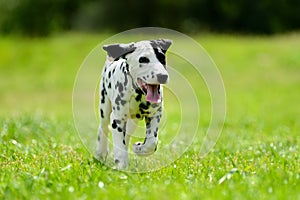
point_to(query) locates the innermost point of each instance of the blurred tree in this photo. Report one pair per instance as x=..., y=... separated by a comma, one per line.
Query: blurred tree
x=42, y=17
x=37, y=17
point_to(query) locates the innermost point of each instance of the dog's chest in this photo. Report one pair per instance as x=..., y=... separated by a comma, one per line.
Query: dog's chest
x=140, y=108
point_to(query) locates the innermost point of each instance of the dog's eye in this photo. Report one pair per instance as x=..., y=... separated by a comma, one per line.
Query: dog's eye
x=144, y=60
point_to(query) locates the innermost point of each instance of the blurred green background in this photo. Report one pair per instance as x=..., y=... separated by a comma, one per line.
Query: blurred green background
x=254, y=43
x=43, y=42
x=43, y=17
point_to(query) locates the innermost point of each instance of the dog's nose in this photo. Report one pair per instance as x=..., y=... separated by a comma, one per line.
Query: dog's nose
x=162, y=78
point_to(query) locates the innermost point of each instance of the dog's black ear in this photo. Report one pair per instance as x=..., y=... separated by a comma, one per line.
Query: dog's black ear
x=163, y=44
x=119, y=50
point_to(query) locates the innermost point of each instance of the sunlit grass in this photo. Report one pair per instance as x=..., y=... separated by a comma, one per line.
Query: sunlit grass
x=257, y=155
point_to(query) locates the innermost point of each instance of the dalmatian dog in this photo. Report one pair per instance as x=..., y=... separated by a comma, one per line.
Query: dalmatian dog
x=130, y=90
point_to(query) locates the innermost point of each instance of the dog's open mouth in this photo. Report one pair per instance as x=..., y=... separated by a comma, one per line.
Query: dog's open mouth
x=151, y=90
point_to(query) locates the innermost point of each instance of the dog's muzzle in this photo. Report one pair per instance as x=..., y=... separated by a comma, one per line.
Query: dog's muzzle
x=162, y=78
x=151, y=90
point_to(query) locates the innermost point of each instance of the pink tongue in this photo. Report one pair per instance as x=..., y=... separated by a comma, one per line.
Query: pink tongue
x=152, y=94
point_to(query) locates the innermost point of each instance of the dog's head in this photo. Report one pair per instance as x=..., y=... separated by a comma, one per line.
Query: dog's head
x=147, y=64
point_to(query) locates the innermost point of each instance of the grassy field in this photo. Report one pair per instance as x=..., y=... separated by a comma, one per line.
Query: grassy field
x=256, y=157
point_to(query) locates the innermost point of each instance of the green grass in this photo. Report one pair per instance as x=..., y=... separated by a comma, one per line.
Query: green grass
x=41, y=155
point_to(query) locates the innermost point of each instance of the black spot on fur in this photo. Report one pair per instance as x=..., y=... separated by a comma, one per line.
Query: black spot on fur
x=155, y=105
x=127, y=67
x=124, y=129
x=139, y=91
x=109, y=85
x=98, y=138
x=109, y=74
x=138, y=116
x=118, y=99
x=117, y=161
x=117, y=84
x=144, y=112
x=152, y=73
x=124, y=142
x=120, y=88
x=144, y=106
x=148, y=120
x=138, y=97
x=119, y=129
x=114, y=124
x=158, y=118
x=160, y=56
x=126, y=80
x=159, y=109
x=148, y=132
x=102, y=113
x=103, y=93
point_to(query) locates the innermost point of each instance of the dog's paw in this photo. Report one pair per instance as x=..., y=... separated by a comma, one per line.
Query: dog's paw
x=121, y=164
x=144, y=149
x=101, y=155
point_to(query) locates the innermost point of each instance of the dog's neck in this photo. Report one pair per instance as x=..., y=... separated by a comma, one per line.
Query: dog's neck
x=133, y=80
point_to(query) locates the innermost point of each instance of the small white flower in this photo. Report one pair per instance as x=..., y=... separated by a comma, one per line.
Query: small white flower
x=101, y=184
x=71, y=189
x=67, y=167
x=123, y=177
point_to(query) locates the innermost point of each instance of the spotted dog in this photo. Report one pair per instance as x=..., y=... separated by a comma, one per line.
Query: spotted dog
x=130, y=89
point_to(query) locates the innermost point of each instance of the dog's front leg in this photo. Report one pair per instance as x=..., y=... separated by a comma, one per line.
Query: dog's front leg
x=150, y=143
x=119, y=140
